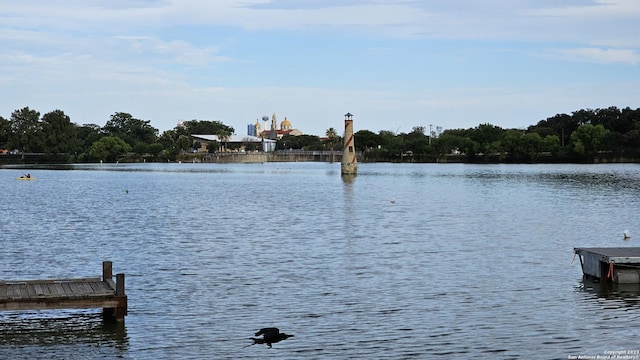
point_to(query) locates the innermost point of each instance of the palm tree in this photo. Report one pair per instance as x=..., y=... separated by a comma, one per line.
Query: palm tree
x=223, y=135
x=332, y=137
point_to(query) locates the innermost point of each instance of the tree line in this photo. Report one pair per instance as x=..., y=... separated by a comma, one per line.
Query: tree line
x=587, y=135
x=583, y=136
x=123, y=137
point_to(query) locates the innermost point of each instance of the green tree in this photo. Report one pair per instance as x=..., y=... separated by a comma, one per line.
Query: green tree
x=169, y=143
x=223, y=135
x=203, y=127
x=333, y=139
x=25, y=129
x=588, y=138
x=155, y=149
x=386, y=136
x=562, y=124
x=58, y=133
x=87, y=134
x=631, y=140
x=184, y=142
x=551, y=143
x=367, y=140
x=302, y=142
x=584, y=117
x=613, y=120
x=168, y=139
x=396, y=145
x=485, y=135
x=5, y=132
x=543, y=131
x=130, y=129
x=416, y=141
x=108, y=148
x=141, y=148
x=510, y=144
x=213, y=146
x=390, y=145
x=530, y=146
x=448, y=143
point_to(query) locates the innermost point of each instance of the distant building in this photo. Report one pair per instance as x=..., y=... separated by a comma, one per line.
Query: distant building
x=274, y=133
x=251, y=129
x=238, y=141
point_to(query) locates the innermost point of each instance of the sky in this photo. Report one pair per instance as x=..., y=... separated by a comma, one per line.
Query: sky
x=393, y=64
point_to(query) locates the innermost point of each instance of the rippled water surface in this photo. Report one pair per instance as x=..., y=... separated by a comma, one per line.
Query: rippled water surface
x=407, y=261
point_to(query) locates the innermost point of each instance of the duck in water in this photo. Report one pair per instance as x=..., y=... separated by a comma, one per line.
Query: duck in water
x=270, y=336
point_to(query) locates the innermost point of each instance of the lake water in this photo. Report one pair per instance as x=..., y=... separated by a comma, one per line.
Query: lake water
x=406, y=261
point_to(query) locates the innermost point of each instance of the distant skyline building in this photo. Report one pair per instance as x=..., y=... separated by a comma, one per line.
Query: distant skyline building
x=251, y=129
x=275, y=132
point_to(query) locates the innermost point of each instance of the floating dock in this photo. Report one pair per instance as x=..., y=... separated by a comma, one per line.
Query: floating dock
x=620, y=265
x=68, y=294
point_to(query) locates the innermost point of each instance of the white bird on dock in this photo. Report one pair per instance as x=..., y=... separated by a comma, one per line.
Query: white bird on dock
x=626, y=234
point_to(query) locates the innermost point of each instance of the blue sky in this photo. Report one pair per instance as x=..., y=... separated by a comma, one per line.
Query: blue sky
x=394, y=64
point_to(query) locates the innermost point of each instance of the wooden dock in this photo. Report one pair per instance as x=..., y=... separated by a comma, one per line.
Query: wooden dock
x=620, y=265
x=68, y=294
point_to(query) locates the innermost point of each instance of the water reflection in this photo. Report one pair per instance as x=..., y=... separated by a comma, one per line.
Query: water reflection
x=79, y=333
x=348, y=179
x=134, y=167
x=616, y=295
x=349, y=204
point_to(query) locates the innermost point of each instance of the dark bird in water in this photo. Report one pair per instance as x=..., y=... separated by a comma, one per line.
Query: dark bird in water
x=269, y=336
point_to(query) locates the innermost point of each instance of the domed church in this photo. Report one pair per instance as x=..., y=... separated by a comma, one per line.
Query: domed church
x=274, y=132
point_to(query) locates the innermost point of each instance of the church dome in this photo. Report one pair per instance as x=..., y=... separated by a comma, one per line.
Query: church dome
x=285, y=124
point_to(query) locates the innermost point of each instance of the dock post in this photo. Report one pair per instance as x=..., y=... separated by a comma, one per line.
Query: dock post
x=107, y=270
x=121, y=310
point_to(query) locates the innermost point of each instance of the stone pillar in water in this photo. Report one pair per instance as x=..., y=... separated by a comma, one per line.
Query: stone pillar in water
x=349, y=163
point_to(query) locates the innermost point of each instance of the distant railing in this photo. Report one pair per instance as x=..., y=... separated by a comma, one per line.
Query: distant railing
x=273, y=156
x=309, y=152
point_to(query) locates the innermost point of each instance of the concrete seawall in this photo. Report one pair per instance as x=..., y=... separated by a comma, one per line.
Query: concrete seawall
x=259, y=157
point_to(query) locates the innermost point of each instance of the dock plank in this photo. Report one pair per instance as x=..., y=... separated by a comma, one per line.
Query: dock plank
x=22, y=290
x=31, y=291
x=9, y=291
x=38, y=289
x=67, y=289
x=49, y=291
x=59, y=289
x=53, y=291
x=87, y=287
x=65, y=294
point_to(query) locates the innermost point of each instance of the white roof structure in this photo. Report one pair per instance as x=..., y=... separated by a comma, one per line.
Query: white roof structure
x=267, y=144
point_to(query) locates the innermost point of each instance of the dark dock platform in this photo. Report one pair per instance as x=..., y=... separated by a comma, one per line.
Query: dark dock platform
x=620, y=265
x=68, y=294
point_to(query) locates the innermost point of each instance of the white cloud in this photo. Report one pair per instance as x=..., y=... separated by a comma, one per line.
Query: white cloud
x=597, y=9
x=92, y=58
x=171, y=51
x=599, y=55
x=583, y=22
